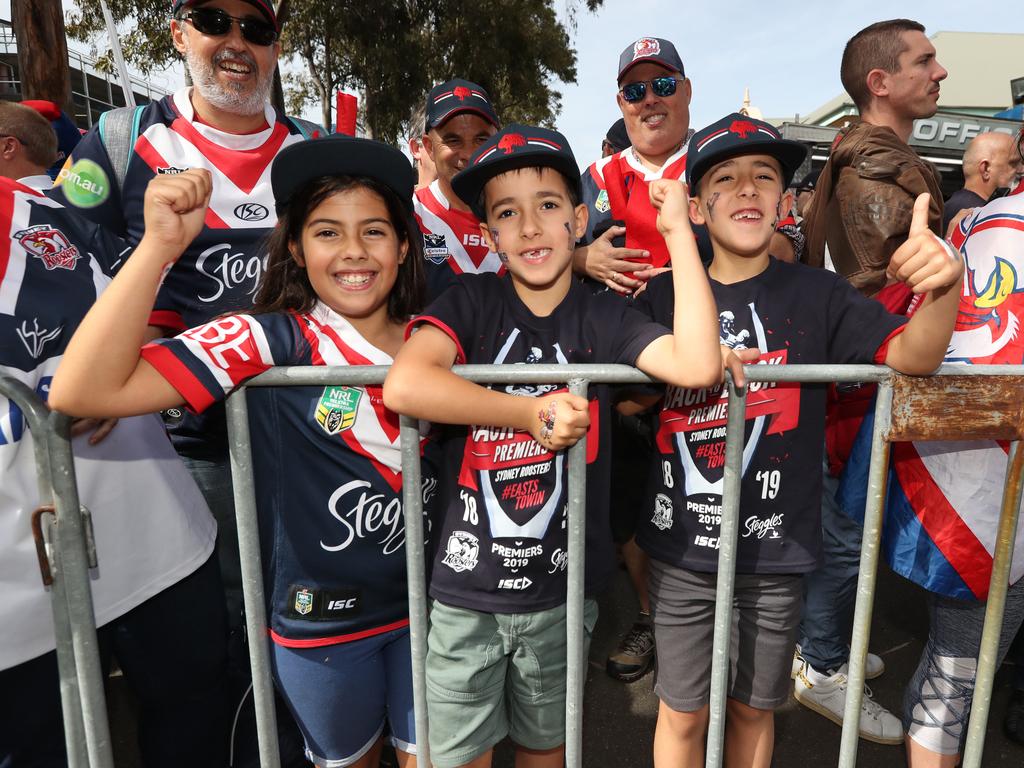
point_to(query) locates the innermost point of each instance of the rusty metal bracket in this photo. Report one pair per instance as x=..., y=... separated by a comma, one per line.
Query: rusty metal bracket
x=42, y=545
x=957, y=408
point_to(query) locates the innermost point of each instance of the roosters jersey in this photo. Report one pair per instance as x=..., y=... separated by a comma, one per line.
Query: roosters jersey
x=452, y=244
x=220, y=270
x=327, y=468
x=52, y=268
x=794, y=315
x=616, y=187
x=502, y=541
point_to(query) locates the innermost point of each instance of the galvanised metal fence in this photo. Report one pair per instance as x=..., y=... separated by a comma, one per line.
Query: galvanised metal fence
x=960, y=402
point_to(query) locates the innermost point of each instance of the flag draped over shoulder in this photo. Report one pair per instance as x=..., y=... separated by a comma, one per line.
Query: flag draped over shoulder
x=942, y=509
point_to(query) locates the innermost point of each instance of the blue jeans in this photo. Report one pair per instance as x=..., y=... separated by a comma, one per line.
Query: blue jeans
x=172, y=652
x=831, y=591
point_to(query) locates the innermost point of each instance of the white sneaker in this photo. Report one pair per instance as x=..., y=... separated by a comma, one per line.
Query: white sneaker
x=874, y=666
x=828, y=698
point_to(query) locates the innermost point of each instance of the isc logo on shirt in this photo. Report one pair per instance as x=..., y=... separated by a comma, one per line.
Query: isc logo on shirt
x=474, y=240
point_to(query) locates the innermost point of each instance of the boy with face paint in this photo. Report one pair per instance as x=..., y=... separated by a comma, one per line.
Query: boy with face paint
x=497, y=644
x=738, y=170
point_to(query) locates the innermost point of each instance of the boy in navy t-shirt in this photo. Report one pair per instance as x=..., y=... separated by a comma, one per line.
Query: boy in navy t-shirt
x=739, y=169
x=496, y=658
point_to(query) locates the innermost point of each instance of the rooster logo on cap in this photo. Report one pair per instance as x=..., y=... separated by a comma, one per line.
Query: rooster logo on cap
x=462, y=93
x=510, y=141
x=646, y=46
x=742, y=128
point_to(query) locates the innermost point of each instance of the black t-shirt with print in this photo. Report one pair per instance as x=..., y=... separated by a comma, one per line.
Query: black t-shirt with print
x=501, y=546
x=795, y=315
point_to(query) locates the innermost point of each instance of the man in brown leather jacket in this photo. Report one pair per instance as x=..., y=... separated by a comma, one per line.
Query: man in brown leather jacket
x=866, y=192
x=861, y=214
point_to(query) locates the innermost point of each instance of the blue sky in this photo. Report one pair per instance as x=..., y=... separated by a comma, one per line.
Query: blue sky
x=786, y=52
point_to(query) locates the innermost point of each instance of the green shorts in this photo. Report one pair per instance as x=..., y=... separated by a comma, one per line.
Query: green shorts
x=491, y=675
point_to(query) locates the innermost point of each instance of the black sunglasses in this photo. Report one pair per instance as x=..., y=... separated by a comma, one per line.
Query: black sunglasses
x=662, y=86
x=215, y=22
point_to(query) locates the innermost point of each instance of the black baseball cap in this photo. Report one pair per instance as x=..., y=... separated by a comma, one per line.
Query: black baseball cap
x=264, y=6
x=654, y=49
x=617, y=135
x=449, y=99
x=338, y=155
x=515, y=146
x=736, y=135
x=808, y=182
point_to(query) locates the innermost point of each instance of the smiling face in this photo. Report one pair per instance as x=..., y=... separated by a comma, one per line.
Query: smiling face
x=657, y=125
x=351, y=253
x=741, y=201
x=533, y=226
x=228, y=72
x=913, y=90
x=451, y=144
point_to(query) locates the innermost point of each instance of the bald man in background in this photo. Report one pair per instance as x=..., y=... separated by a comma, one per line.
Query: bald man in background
x=991, y=162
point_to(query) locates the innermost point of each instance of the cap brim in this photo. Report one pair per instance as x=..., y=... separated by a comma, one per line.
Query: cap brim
x=469, y=184
x=301, y=163
x=790, y=155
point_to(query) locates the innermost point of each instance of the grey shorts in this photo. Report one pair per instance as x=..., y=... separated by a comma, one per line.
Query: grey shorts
x=491, y=675
x=766, y=615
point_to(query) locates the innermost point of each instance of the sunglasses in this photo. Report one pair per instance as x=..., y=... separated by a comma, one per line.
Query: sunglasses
x=662, y=86
x=215, y=22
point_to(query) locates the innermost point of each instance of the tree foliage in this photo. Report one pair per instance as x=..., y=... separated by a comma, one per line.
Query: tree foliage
x=390, y=51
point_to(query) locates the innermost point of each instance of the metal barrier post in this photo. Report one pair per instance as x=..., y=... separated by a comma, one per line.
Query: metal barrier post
x=86, y=731
x=576, y=584
x=240, y=453
x=989, y=651
x=878, y=474
x=728, y=536
x=416, y=570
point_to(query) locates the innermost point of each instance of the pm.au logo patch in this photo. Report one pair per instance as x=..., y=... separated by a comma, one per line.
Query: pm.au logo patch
x=303, y=602
x=601, y=204
x=49, y=245
x=462, y=551
x=85, y=184
x=336, y=410
x=435, y=249
x=662, y=512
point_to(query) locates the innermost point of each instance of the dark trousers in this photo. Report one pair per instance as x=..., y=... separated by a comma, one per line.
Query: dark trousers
x=172, y=650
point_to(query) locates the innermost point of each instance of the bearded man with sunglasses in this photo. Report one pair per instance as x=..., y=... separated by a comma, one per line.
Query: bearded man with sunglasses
x=226, y=124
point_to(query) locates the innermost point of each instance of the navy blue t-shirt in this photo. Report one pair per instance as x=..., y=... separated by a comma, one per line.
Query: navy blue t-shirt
x=501, y=541
x=795, y=315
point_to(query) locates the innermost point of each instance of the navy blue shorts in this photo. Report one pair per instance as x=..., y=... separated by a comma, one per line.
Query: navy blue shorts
x=342, y=694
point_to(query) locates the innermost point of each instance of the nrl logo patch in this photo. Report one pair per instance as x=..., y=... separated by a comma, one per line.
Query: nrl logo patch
x=601, y=204
x=170, y=170
x=303, y=602
x=49, y=245
x=336, y=410
x=435, y=249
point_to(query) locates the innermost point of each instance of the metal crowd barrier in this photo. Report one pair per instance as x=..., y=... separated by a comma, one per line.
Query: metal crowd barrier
x=64, y=545
x=958, y=403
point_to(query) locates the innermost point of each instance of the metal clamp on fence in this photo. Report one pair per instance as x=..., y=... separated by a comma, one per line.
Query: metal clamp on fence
x=64, y=562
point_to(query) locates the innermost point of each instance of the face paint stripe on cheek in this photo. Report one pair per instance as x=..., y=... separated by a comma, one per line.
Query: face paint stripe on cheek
x=502, y=256
x=712, y=202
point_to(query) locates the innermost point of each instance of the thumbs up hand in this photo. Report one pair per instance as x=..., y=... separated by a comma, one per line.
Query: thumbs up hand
x=925, y=261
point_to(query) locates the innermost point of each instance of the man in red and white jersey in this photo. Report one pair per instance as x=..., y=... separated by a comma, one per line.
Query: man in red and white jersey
x=654, y=96
x=459, y=119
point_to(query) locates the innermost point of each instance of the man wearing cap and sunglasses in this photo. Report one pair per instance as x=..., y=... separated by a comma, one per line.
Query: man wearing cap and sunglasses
x=225, y=124
x=459, y=118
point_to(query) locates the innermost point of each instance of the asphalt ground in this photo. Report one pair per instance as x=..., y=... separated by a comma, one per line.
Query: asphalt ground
x=619, y=718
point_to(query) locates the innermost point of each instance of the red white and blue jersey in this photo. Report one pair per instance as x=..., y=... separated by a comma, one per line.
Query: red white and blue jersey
x=944, y=497
x=793, y=314
x=452, y=243
x=617, y=187
x=220, y=270
x=327, y=467
x=502, y=543
x=53, y=265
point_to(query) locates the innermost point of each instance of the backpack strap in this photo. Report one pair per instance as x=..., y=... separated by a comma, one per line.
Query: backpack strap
x=308, y=129
x=119, y=130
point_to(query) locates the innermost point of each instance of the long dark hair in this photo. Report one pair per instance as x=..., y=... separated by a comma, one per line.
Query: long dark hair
x=285, y=285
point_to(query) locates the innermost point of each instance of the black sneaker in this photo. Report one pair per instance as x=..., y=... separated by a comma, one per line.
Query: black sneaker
x=635, y=655
x=1013, y=725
